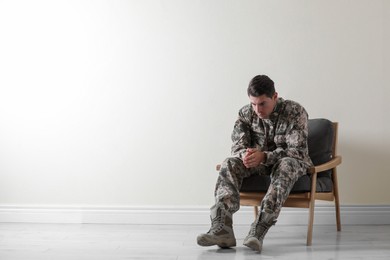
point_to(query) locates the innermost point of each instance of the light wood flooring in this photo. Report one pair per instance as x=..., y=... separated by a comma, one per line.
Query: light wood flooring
x=111, y=242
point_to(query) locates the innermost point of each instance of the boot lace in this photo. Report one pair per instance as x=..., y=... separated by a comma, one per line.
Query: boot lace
x=216, y=224
x=259, y=229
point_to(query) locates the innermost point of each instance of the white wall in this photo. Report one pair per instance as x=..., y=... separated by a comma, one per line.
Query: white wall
x=132, y=102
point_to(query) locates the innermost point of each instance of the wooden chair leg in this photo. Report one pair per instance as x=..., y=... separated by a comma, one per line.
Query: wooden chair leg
x=256, y=210
x=310, y=224
x=337, y=201
x=311, y=209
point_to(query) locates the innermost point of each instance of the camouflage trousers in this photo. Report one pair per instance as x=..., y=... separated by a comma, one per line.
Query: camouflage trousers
x=283, y=176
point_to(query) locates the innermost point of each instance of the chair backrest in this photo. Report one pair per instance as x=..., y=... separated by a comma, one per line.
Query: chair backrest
x=321, y=140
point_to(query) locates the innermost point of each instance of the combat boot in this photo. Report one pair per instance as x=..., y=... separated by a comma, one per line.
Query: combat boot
x=259, y=228
x=221, y=231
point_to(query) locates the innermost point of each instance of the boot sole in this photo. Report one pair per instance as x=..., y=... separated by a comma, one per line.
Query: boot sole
x=253, y=244
x=209, y=241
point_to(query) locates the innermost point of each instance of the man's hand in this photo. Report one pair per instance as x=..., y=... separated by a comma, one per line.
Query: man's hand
x=253, y=158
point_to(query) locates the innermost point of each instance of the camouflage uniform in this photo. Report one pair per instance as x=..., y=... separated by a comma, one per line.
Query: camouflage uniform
x=283, y=138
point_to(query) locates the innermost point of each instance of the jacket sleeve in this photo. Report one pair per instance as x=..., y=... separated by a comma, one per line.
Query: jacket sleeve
x=294, y=142
x=241, y=135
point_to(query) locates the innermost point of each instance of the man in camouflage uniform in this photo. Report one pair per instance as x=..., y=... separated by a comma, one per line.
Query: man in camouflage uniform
x=269, y=138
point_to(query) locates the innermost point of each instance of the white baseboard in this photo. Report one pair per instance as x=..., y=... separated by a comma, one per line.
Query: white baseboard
x=324, y=215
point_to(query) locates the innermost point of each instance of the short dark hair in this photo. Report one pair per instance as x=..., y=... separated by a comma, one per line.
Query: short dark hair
x=260, y=85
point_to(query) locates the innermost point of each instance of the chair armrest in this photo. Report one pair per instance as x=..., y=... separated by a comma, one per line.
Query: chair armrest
x=326, y=166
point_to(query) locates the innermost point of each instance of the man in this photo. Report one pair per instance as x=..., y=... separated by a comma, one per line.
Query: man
x=269, y=137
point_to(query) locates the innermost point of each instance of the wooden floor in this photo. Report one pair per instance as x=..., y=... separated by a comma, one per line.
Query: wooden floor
x=111, y=242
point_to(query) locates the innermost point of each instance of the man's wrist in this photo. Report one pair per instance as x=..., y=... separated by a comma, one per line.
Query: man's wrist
x=264, y=157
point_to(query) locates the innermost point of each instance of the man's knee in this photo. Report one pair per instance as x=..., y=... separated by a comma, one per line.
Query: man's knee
x=287, y=163
x=287, y=166
x=232, y=162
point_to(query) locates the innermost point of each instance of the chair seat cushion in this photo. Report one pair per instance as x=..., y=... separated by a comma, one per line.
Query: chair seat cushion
x=257, y=183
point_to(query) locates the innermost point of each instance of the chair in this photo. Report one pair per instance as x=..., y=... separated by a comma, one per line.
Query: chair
x=320, y=184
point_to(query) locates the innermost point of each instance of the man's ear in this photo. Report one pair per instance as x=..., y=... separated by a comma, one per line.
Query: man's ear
x=275, y=95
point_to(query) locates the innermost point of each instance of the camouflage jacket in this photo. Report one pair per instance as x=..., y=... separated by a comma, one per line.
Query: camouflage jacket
x=283, y=134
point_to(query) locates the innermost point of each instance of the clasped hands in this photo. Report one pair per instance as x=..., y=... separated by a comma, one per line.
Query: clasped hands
x=253, y=158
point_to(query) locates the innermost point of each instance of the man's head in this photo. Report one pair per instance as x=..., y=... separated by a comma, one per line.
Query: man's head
x=262, y=95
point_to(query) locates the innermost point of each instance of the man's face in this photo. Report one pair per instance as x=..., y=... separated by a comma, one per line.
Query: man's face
x=263, y=105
